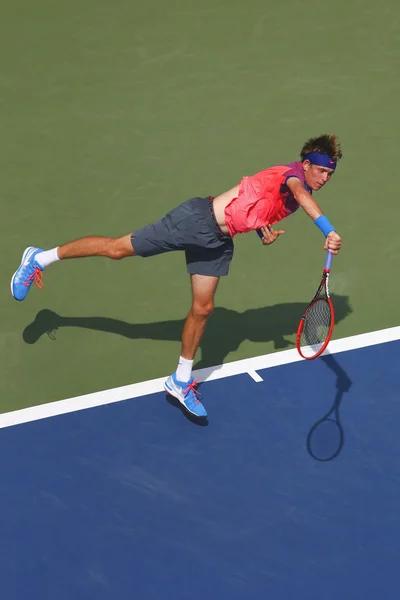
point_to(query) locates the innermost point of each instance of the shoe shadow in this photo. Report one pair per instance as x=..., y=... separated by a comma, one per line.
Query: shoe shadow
x=225, y=331
x=200, y=421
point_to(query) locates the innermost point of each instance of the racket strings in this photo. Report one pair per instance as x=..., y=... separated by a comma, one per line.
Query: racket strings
x=317, y=324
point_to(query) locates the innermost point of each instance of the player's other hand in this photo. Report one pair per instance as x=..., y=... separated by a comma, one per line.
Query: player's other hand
x=270, y=234
x=333, y=242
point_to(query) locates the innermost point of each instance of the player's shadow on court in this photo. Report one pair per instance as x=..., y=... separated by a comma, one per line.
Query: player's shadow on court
x=224, y=333
x=325, y=439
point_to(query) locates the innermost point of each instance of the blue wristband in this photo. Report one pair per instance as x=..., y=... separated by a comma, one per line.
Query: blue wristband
x=259, y=233
x=324, y=225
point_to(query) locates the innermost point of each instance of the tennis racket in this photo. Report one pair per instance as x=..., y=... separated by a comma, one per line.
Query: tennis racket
x=316, y=325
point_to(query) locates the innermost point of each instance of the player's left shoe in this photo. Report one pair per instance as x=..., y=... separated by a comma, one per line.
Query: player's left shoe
x=27, y=273
x=186, y=393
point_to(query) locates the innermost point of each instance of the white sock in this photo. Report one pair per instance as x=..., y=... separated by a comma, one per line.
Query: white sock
x=184, y=370
x=47, y=257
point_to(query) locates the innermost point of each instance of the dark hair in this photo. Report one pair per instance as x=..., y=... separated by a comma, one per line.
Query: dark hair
x=323, y=144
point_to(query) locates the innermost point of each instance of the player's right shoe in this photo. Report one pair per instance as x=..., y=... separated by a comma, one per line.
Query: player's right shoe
x=186, y=393
x=27, y=273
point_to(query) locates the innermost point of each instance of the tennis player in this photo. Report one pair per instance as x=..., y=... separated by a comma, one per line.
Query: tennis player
x=204, y=228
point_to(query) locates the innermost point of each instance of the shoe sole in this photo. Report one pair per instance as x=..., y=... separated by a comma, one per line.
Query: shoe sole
x=172, y=393
x=13, y=277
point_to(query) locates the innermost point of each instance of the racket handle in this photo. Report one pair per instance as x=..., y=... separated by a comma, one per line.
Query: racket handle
x=328, y=261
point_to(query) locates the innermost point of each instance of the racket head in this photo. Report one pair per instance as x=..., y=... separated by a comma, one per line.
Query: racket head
x=315, y=328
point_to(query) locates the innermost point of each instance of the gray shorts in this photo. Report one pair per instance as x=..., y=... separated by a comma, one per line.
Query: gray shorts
x=191, y=227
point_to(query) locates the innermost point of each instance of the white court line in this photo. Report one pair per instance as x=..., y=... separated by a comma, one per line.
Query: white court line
x=254, y=375
x=248, y=365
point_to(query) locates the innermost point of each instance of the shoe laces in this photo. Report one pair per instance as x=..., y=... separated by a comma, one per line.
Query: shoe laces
x=191, y=387
x=36, y=278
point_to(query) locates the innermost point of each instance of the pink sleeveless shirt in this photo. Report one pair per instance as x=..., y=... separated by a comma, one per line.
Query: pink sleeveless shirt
x=263, y=198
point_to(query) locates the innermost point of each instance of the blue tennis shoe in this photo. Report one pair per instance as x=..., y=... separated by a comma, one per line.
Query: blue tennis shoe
x=186, y=393
x=27, y=273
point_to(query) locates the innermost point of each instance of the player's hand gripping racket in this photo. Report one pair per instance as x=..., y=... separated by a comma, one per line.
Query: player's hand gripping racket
x=316, y=325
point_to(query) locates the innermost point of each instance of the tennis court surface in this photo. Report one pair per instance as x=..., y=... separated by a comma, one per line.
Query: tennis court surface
x=111, y=115
x=132, y=497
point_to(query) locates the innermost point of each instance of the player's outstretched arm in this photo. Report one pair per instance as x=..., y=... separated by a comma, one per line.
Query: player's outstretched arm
x=333, y=241
x=303, y=198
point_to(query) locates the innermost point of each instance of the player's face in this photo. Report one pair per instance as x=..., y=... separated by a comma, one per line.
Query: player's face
x=316, y=177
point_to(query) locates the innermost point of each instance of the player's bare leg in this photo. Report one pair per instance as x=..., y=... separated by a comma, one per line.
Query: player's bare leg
x=35, y=260
x=181, y=384
x=115, y=248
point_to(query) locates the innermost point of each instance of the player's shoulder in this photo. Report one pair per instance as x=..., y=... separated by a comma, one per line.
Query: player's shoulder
x=279, y=173
x=274, y=170
x=295, y=167
x=294, y=170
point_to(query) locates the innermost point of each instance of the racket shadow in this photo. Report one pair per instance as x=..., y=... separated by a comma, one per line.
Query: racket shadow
x=325, y=440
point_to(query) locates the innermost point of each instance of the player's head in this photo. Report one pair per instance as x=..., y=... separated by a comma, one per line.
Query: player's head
x=320, y=156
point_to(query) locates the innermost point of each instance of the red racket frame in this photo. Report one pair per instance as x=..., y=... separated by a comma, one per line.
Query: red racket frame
x=322, y=286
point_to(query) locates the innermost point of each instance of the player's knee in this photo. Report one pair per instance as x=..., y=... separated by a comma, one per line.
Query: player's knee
x=203, y=309
x=117, y=249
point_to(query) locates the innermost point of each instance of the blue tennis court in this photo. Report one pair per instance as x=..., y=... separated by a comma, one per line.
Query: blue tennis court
x=134, y=499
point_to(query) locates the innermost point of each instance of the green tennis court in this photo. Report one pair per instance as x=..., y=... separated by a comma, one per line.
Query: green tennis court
x=111, y=114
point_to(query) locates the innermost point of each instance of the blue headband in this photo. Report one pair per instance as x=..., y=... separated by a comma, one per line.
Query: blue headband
x=322, y=160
